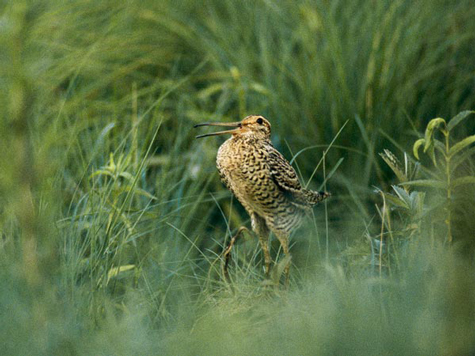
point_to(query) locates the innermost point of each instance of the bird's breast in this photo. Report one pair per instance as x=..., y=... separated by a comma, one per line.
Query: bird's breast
x=244, y=169
x=240, y=158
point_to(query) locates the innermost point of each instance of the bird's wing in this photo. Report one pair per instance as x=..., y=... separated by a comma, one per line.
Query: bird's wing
x=285, y=177
x=282, y=172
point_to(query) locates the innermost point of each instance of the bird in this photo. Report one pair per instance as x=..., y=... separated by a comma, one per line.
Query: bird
x=263, y=181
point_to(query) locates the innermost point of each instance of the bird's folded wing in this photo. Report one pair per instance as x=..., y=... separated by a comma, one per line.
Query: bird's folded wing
x=285, y=177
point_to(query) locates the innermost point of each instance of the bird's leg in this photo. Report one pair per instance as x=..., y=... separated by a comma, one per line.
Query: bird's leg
x=227, y=251
x=264, y=242
x=259, y=226
x=284, y=242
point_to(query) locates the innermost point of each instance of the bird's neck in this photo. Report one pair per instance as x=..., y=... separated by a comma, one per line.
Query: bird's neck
x=250, y=140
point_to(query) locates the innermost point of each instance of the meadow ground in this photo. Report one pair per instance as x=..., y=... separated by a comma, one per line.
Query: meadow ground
x=112, y=216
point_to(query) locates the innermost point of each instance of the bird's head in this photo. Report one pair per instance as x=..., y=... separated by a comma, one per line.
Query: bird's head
x=253, y=126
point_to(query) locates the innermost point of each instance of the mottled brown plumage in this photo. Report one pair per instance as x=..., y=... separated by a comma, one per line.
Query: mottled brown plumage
x=263, y=181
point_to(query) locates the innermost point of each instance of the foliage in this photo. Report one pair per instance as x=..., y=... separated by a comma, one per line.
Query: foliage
x=412, y=210
x=113, y=220
x=449, y=159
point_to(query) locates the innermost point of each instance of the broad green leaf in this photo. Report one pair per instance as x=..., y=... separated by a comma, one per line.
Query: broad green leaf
x=461, y=145
x=431, y=154
x=456, y=161
x=432, y=183
x=402, y=194
x=418, y=144
x=392, y=161
x=431, y=126
x=463, y=180
x=396, y=201
x=458, y=119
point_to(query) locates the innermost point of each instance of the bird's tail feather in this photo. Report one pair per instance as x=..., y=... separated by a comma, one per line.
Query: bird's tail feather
x=315, y=197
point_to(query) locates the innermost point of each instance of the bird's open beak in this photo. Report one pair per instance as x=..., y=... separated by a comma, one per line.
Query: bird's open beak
x=225, y=124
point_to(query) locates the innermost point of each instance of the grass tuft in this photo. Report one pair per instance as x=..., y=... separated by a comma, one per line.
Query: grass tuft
x=113, y=221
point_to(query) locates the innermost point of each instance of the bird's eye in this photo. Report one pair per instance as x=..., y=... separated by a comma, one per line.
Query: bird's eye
x=260, y=121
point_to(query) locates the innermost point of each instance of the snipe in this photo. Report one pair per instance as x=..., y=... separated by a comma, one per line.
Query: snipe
x=263, y=181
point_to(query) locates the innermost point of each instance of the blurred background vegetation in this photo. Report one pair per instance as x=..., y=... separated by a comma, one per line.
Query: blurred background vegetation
x=113, y=219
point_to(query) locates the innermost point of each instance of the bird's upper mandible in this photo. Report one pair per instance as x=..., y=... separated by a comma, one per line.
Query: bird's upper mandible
x=253, y=126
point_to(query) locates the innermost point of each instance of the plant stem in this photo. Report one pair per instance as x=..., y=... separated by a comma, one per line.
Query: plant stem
x=449, y=190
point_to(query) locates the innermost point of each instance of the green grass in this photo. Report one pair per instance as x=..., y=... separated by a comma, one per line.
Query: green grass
x=113, y=219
